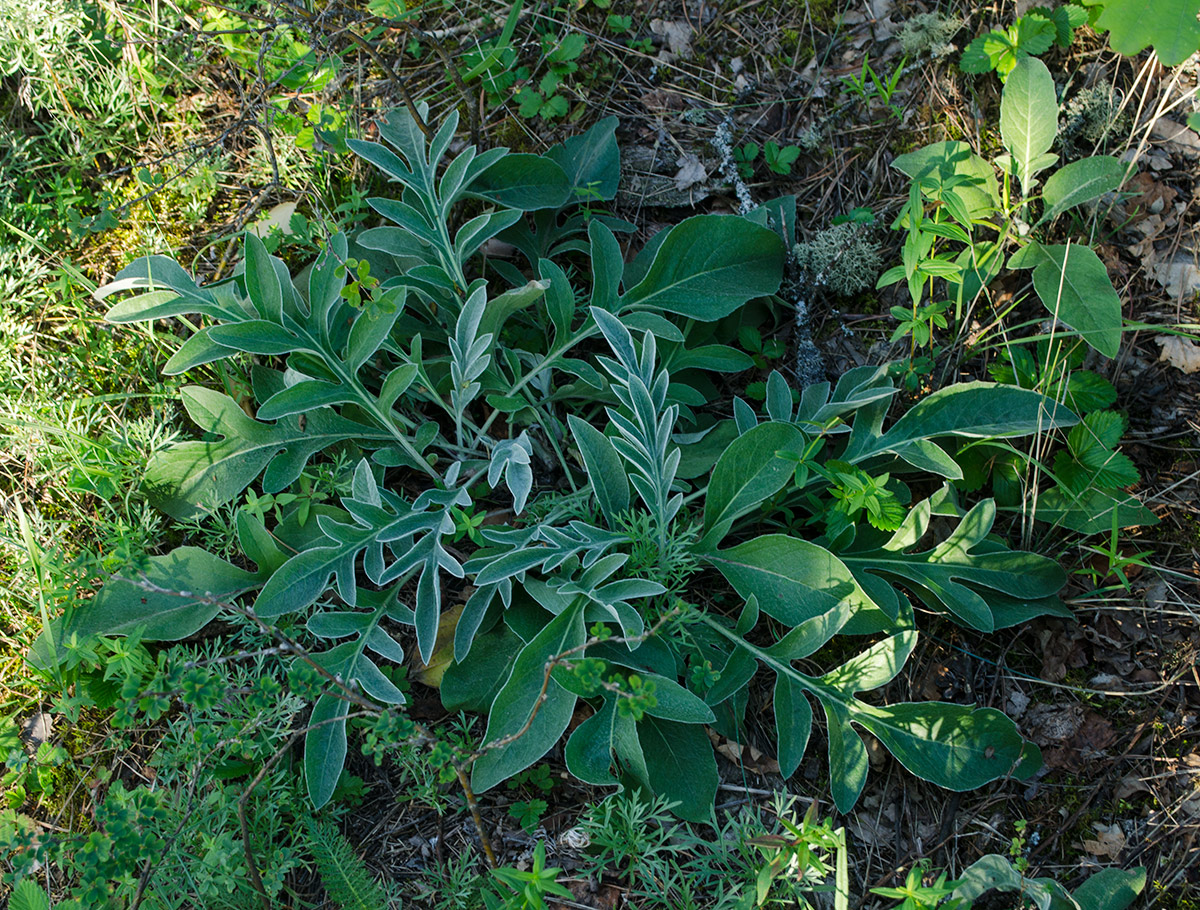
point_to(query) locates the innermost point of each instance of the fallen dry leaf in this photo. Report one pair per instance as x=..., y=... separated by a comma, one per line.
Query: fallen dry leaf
x=745, y=756
x=1148, y=196
x=1094, y=734
x=1061, y=651
x=677, y=35
x=691, y=172
x=1176, y=137
x=1129, y=785
x=660, y=100
x=279, y=217
x=1180, y=353
x=1179, y=275
x=1110, y=841
x=1047, y=724
x=443, y=650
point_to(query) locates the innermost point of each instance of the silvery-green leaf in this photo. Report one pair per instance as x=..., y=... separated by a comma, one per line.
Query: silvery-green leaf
x=1029, y=117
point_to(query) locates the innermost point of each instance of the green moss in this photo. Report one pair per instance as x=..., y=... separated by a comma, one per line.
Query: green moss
x=512, y=135
x=822, y=12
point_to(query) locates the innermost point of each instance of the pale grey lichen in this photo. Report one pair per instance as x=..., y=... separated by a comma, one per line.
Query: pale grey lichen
x=810, y=365
x=930, y=33
x=809, y=138
x=1091, y=117
x=723, y=142
x=845, y=258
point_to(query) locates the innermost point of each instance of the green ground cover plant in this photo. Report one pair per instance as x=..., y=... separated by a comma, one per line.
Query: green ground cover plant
x=463, y=389
x=483, y=448
x=954, y=198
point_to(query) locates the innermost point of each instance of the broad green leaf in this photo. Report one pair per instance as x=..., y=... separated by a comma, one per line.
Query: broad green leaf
x=848, y=761
x=591, y=161
x=521, y=699
x=396, y=384
x=708, y=266
x=955, y=746
x=589, y=751
x=996, y=873
x=371, y=327
x=169, y=598
x=524, y=182
x=604, y=467
x=636, y=268
x=480, y=229
x=161, y=272
x=349, y=660
x=716, y=358
x=978, y=410
x=959, y=574
x=645, y=321
x=1110, y=889
x=607, y=265
x=736, y=672
x=942, y=162
x=192, y=478
x=259, y=545
x=414, y=533
x=472, y=683
x=28, y=895
x=1066, y=19
x=1029, y=256
x=974, y=410
x=262, y=282
x=793, y=723
x=793, y=579
x=1091, y=511
x=498, y=309
x=255, y=336
x=303, y=396
x=560, y=298
x=958, y=747
x=680, y=765
x=196, y=351
x=748, y=473
x=1074, y=286
x=1079, y=182
x=325, y=748
x=676, y=703
x=875, y=667
x=1028, y=117
x=1169, y=25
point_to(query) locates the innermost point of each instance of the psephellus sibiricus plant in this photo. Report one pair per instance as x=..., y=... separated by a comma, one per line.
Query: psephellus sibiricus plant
x=571, y=384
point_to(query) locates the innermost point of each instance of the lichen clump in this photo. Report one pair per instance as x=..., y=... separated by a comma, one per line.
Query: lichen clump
x=845, y=258
x=930, y=33
x=1091, y=117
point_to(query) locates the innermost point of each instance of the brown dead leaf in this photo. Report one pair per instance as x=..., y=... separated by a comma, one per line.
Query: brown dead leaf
x=1110, y=841
x=1094, y=734
x=691, y=172
x=744, y=755
x=598, y=895
x=676, y=35
x=1061, y=650
x=1180, y=353
x=1129, y=785
x=1175, y=137
x=1052, y=724
x=1149, y=197
x=660, y=101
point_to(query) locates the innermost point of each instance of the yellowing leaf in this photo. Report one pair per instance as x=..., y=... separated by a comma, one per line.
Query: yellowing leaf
x=430, y=674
